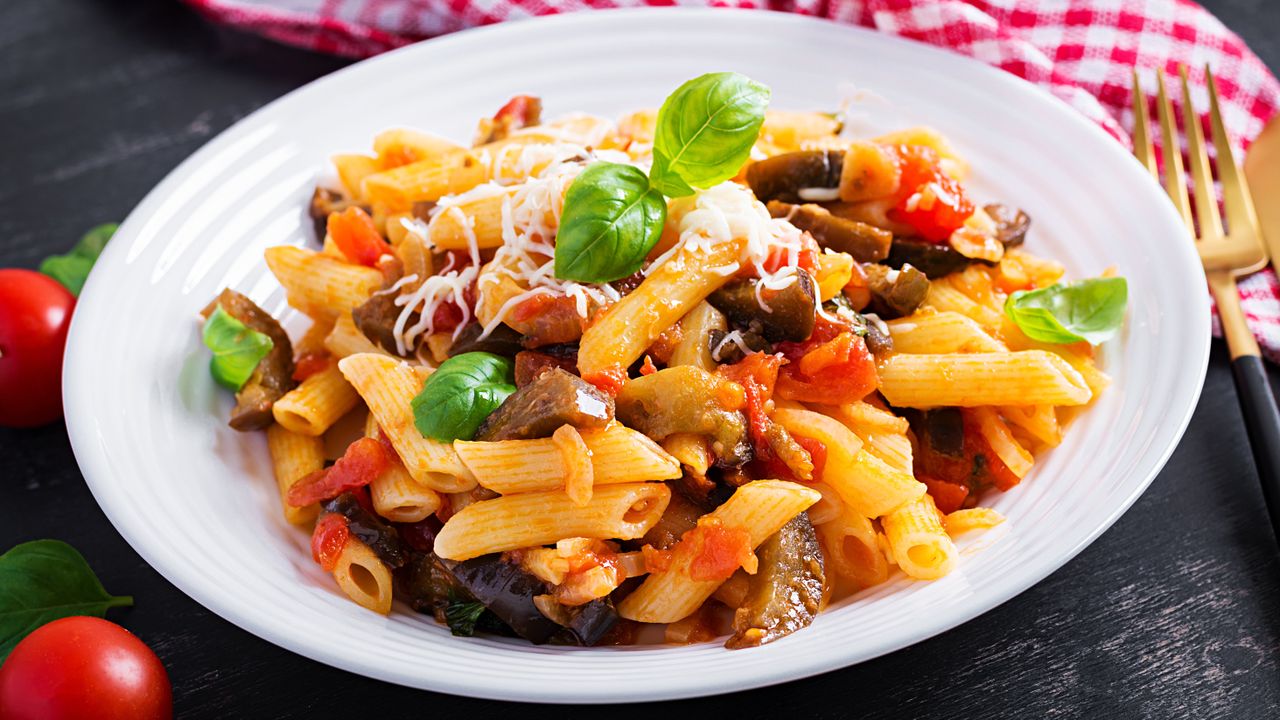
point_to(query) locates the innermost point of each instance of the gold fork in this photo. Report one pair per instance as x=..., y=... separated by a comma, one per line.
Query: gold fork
x=1226, y=255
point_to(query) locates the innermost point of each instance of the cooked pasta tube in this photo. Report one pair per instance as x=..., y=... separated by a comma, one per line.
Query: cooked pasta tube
x=388, y=386
x=618, y=455
x=319, y=285
x=363, y=577
x=940, y=334
x=294, y=456
x=894, y=449
x=317, y=403
x=917, y=540
x=669, y=292
x=352, y=170
x=1030, y=377
x=944, y=296
x=1002, y=442
x=852, y=550
x=978, y=518
x=760, y=508
x=696, y=327
x=623, y=512
x=863, y=417
x=399, y=498
x=864, y=482
x=1038, y=421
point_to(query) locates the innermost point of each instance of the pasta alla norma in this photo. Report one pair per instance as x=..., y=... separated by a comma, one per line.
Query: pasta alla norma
x=616, y=381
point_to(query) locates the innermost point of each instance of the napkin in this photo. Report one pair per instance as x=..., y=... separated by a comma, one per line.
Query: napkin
x=1082, y=51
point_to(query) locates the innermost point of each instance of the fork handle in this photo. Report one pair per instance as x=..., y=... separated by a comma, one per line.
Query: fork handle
x=1262, y=421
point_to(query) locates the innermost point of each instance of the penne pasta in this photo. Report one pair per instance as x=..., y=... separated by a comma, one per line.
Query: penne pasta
x=294, y=456
x=1030, y=377
x=388, y=386
x=346, y=339
x=622, y=512
x=917, y=540
x=579, y=475
x=851, y=549
x=363, y=577
x=941, y=333
x=618, y=455
x=319, y=285
x=978, y=518
x=316, y=403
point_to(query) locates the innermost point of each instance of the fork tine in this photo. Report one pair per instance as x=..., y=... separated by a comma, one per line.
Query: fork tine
x=1142, y=131
x=1201, y=176
x=1174, y=183
x=1236, y=199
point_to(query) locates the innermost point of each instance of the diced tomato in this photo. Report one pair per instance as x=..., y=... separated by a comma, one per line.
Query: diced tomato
x=807, y=258
x=948, y=496
x=609, y=380
x=328, y=539
x=839, y=370
x=817, y=452
x=648, y=368
x=547, y=320
x=311, y=363
x=521, y=110
x=655, y=560
x=978, y=467
x=929, y=200
x=357, y=237
x=719, y=550
x=364, y=460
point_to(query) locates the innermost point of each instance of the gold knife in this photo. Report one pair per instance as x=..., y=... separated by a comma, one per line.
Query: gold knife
x=1262, y=170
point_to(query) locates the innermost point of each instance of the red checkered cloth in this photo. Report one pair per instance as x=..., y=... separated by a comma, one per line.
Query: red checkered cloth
x=1082, y=51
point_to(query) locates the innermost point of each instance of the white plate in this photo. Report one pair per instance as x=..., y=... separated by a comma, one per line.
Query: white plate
x=198, y=502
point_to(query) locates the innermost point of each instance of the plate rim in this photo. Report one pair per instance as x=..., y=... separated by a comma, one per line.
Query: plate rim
x=91, y=456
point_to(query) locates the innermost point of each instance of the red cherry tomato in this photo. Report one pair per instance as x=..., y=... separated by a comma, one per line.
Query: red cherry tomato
x=35, y=312
x=357, y=237
x=930, y=201
x=84, y=667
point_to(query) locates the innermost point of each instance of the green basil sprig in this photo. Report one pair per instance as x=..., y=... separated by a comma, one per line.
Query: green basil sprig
x=237, y=350
x=72, y=269
x=705, y=131
x=1088, y=310
x=611, y=219
x=43, y=580
x=461, y=393
x=613, y=215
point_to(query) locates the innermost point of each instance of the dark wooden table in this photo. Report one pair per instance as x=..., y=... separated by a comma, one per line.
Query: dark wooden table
x=1173, y=613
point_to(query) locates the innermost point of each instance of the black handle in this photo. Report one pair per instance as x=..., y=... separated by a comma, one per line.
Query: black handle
x=1262, y=421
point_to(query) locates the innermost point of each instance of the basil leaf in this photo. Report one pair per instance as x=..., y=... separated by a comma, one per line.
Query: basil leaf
x=1088, y=310
x=705, y=131
x=611, y=220
x=461, y=393
x=237, y=350
x=463, y=616
x=72, y=269
x=43, y=580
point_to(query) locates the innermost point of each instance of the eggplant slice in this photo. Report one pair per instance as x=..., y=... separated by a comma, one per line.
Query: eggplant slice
x=1011, y=224
x=553, y=399
x=792, y=310
x=274, y=375
x=866, y=243
x=896, y=293
x=783, y=177
x=935, y=261
x=785, y=594
x=686, y=399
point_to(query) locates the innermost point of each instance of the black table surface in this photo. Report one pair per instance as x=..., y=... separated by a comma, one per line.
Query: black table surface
x=1172, y=613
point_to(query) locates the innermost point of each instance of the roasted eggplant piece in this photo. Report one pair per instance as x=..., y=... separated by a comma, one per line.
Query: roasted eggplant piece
x=553, y=399
x=784, y=177
x=866, y=243
x=532, y=363
x=591, y=622
x=896, y=293
x=686, y=399
x=730, y=352
x=786, y=592
x=679, y=518
x=376, y=318
x=1011, y=224
x=274, y=375
x=502, y=341
x=877, y=336
x=933, y=260
x=792, y=311
x=381, y=537
x=507, y=590
x=942, y=429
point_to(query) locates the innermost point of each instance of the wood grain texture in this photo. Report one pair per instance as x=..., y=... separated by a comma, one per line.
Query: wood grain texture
x=1173, y=613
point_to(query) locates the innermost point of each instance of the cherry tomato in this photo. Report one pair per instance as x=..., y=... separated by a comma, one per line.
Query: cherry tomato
x=930, y=201
x=328, y=539
x=357, y=237
x=839, y=370
x=84, y=667
x=364, y=460
x=35, y=312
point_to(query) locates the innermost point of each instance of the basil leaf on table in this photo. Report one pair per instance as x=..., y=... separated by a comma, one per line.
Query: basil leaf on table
x=237, y=350
x=611, y=220
x=72, y=269
x=461, y=393
x=705, y=131
x=43, y=580
x=1089, y=310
